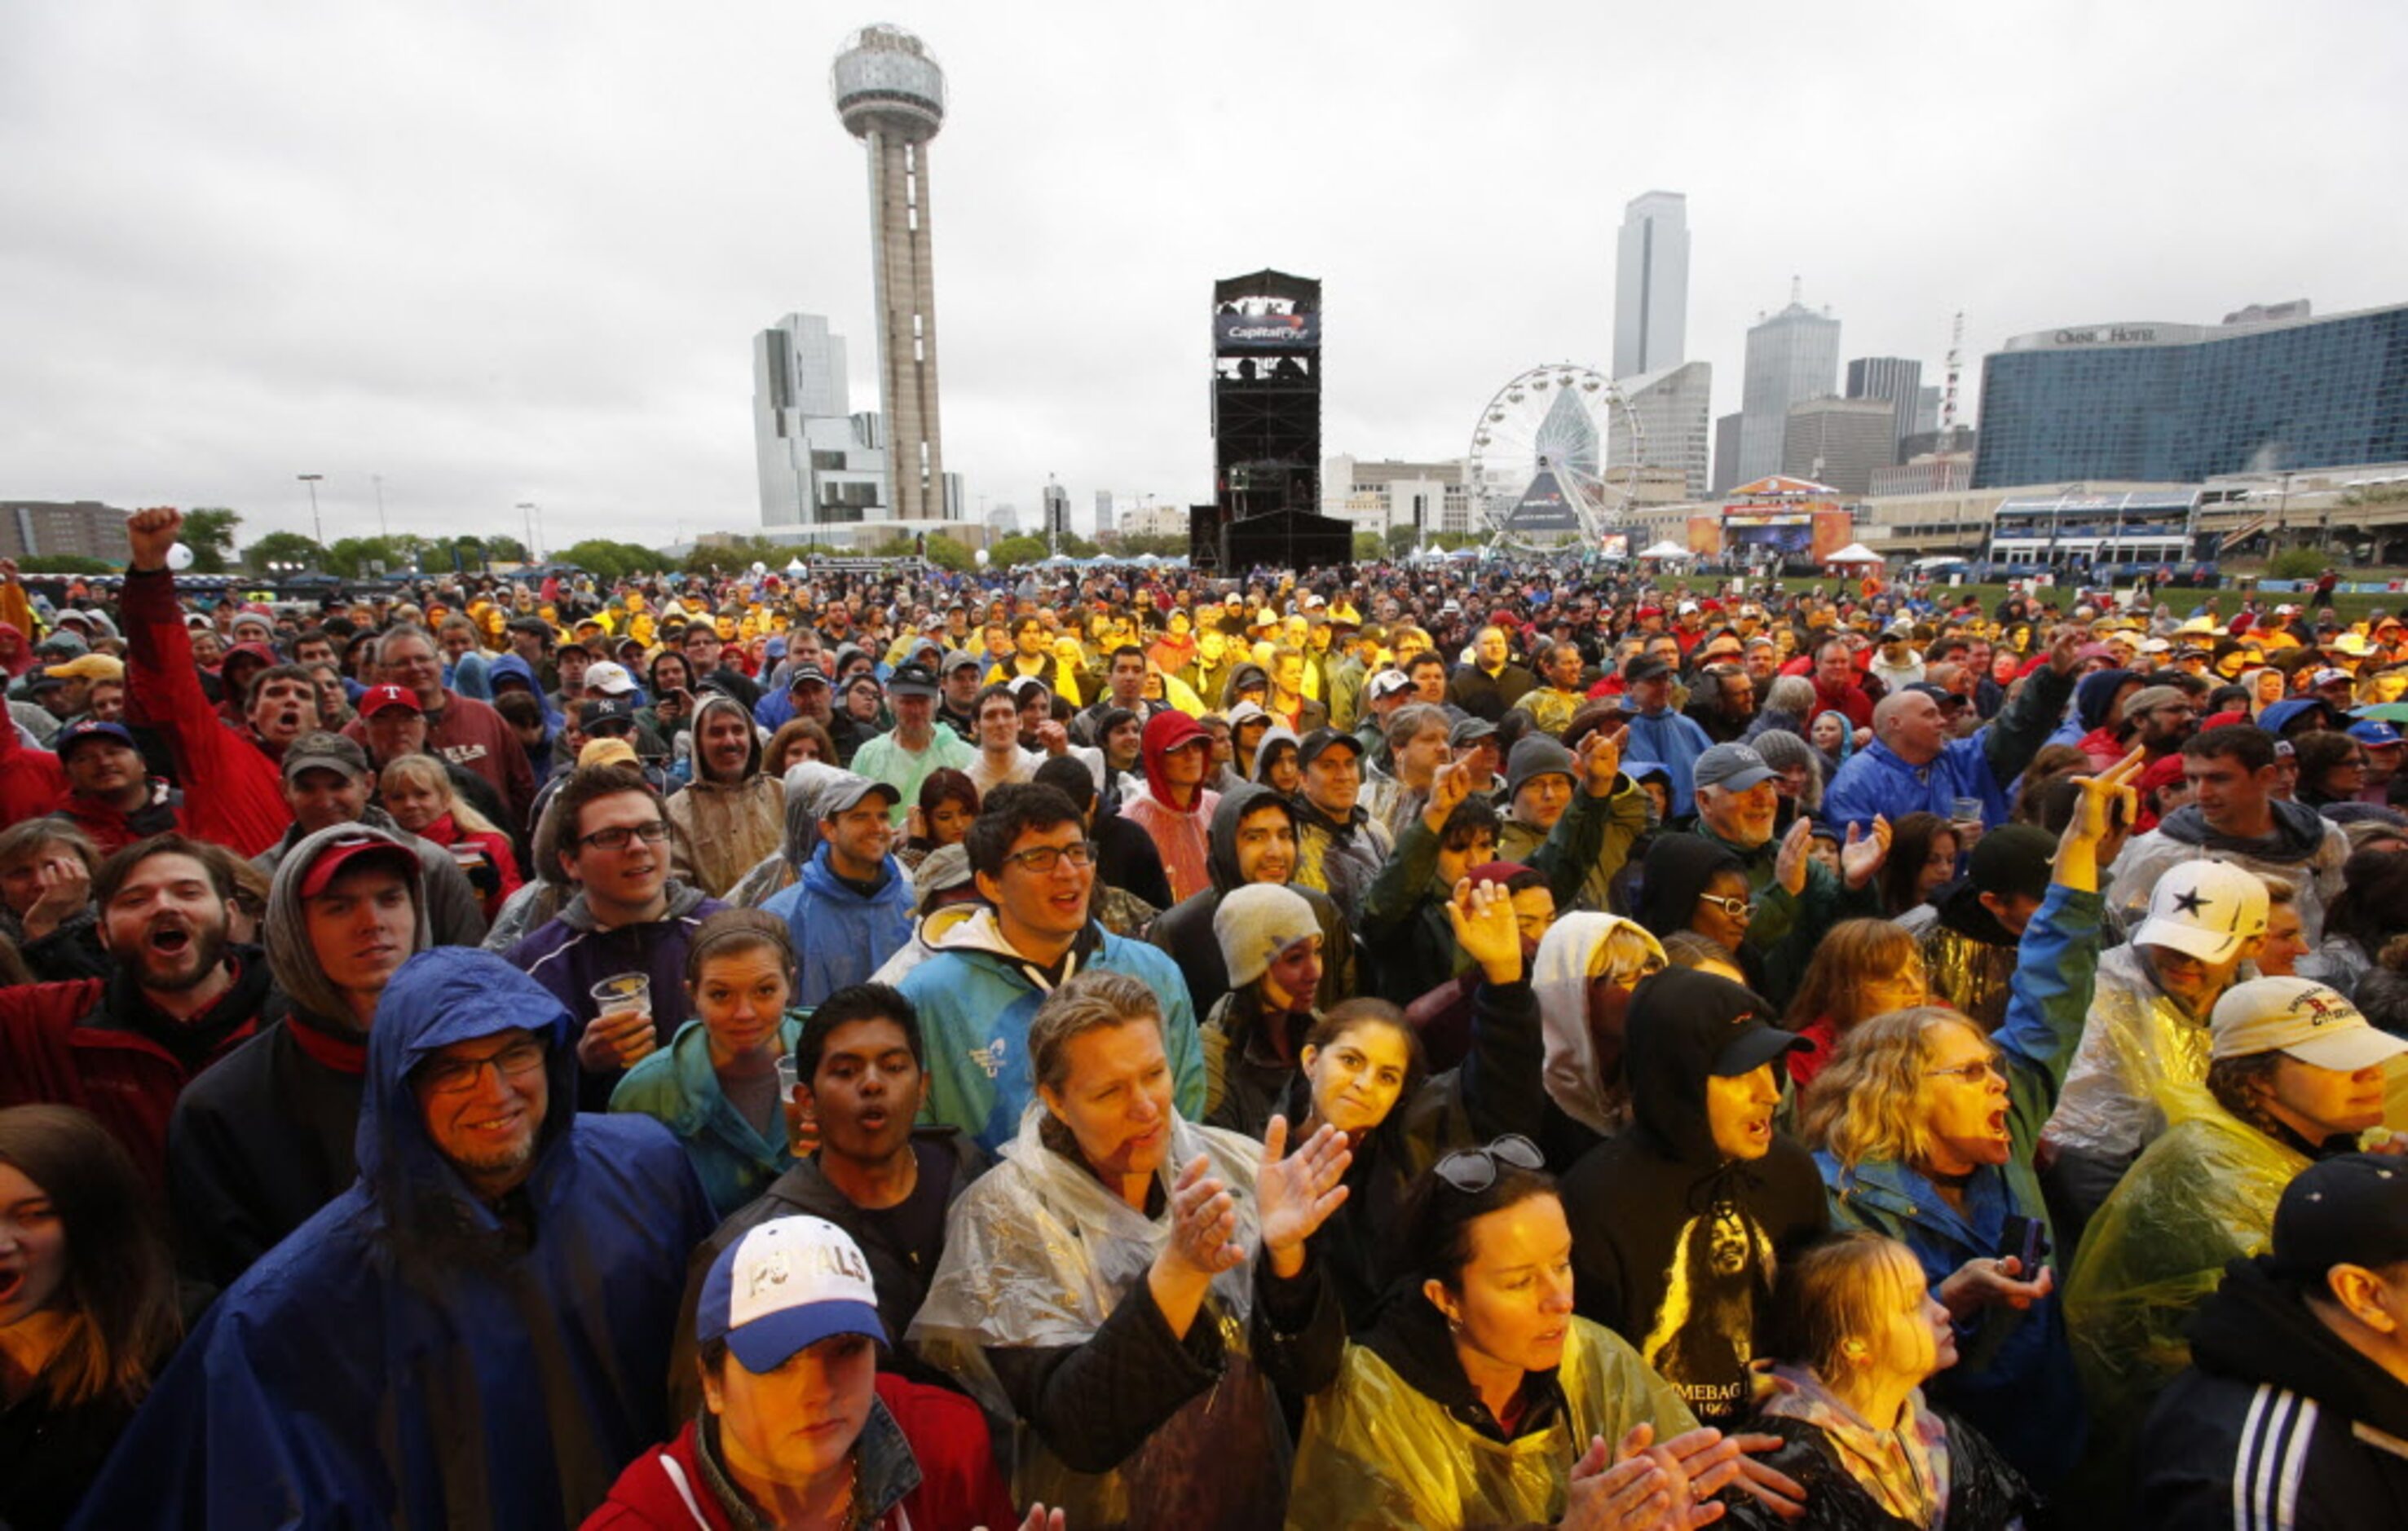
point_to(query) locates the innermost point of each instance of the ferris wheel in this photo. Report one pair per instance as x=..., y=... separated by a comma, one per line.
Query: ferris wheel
x=1554, y=457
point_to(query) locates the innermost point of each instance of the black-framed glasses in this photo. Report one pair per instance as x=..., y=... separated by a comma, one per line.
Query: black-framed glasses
x=1043, y=859
x=617, y=837
x=458, y=1075
x=1474, y=1169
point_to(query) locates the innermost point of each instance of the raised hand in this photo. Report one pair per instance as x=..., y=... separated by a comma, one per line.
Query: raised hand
x=1294, y=1194
x=1601, y=761
x=1203, y=1221
x=1863, y=855
x=1485, y=927
x=148, y=534
x=2103, y=815
x=2065, y=650
x=1450, y=784
x=1789, y=861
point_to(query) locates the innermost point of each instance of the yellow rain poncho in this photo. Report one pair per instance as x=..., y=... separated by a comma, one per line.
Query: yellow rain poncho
x=2203, y=1197
x=1378, y=1453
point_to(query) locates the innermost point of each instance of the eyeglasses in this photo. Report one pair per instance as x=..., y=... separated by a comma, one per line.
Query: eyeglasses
x=1474, y=1169
x=617, y=837
x=458, y=1075
x=1737, y=908
x=1981, y=1071
x=1043, y=859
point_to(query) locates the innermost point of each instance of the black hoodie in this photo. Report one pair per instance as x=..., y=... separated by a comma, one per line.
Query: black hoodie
x=2278, y=1415
x=1673, y=1247
x=1186, y=929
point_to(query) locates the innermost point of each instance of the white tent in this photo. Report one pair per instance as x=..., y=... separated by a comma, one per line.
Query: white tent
x=1666, y=549
x=1855, y=552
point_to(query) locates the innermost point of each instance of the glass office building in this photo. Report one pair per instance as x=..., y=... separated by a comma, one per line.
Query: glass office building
x=2182, y=403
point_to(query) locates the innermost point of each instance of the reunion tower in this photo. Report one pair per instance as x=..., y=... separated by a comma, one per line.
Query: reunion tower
x=890, y=96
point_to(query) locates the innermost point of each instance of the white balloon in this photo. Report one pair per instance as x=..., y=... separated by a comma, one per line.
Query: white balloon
x=179, y=557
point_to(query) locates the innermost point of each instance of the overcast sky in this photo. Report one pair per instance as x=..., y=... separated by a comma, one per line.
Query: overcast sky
x=498, y=253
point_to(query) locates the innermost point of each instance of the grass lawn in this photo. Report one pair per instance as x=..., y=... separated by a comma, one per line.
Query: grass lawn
x=2352, y=606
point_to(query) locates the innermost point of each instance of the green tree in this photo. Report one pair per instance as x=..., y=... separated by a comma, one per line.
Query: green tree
x=1021, y=548
x=209, y=531
x=283, y=548
x=1367, y=546
x=609, y=560
x=1400, y=540
x=2299, y=564
x=504, y=550
x=67, y=563
x=946, y=553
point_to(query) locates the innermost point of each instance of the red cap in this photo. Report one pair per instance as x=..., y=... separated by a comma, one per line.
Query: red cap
x=341, y=853
x=381, y=697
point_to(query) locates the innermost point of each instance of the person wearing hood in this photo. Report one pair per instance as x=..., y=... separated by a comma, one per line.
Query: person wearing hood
x=1679, y=1222
x=475, y=1333
x=2295, y=1401
x=178, y=996
x=1035, y=868
x=1583, y=973
x=2297, y=1075
x=608, y=835
x=2097, y=725
x=513, y=672
x=327, y=782
x=1176, y=805
x=732, y=813
x=850, y=909
x=1970, y=942
x=2148, y=1037
x=2235, y=817
x=263, y=1137
x=1254, y=842
x=233, y=795
x=1913, y=762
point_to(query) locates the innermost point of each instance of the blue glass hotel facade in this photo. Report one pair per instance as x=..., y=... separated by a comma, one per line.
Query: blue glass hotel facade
x=2182, y=403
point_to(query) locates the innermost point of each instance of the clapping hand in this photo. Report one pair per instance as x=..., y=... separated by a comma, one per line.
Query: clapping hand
x=1296, y=1192
x=1203, y=1221
x=1485, y=929
x=1789, y=861
x=1863, y=853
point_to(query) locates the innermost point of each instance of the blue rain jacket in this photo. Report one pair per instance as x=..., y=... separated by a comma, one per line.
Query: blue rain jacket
x=842, y=938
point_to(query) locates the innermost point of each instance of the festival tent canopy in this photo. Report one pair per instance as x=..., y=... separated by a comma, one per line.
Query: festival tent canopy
x=1855, y=552
x=1666, y=549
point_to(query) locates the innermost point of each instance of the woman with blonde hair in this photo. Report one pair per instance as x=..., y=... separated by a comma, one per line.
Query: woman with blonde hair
x=1862, y=970
x=416, y=791
x=1925, y=1130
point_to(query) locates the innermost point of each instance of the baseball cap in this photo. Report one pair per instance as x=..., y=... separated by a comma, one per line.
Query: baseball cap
x=90, y=668
x=1022, y=685
x=846, y=792
x=2302, y=1017
x=530, y=624
x=348, y=850
x=2204, y=910
x=2013, y=859
x=609, y=679
x=1321, y=740
x=324, y=752
x=2374, y=734
x=1732, y=765
x=1645, y=667
x=602, y=709
x=1471, y=730
x=940, y=872
x=2328, y=676
x=2351, y=1210
x=912, y=679
x=806, y=675
x=76, y=733
x=784, y=1287
x=1387, y=684
x=955, y=659
x=379, y=698
x=608, y=752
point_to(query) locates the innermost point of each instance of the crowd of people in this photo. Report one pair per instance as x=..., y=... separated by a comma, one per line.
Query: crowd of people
x=1518, y=1043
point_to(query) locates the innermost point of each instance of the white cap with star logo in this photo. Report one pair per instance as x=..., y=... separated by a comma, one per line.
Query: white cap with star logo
x=2204, y=910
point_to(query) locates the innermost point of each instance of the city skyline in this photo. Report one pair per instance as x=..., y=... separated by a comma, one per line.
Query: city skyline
x=257, y=248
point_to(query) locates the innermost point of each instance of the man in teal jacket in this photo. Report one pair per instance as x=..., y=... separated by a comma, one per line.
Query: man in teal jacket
x=1034, y=867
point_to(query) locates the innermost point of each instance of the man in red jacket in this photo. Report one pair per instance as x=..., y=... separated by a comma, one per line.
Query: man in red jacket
x=798, y=1425
x=123, y=1047
x=234, y=791
x=460, y=729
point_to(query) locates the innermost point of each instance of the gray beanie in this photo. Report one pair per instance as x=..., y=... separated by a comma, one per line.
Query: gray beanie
x=1781, y=749
x=1536, y=754
x=1258, y=921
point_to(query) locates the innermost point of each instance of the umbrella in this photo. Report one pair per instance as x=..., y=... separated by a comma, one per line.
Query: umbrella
x=2390, y=713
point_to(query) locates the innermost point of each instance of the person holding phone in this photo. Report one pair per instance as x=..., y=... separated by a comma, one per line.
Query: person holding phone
x=1925, y=1130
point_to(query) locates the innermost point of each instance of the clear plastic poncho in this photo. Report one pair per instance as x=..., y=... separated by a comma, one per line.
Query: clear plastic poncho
x=1378, y=1453
x=1037, y=1253
x=2201, y=1197
x=2138, y=1049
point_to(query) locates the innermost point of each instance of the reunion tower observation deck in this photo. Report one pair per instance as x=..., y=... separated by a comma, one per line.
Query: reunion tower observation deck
x=890, y=96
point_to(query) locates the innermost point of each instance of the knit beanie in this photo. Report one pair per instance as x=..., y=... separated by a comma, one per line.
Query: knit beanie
x=1782, y=749
x=1258, y=921
x=1537, y=755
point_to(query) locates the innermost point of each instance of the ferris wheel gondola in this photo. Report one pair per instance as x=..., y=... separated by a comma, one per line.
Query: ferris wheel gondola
x=1555, y=458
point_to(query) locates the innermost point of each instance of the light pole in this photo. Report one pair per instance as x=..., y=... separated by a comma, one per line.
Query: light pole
x=316, y=525
x=378, y=480
x=529, y=508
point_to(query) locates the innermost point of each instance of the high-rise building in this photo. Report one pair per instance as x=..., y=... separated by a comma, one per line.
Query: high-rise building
x=1651, y=284
x=1926, y=410
x=1839, y=442
x=1054, y=501
x=1896, y=379
x=1726, y=453
x=1675, y=430
x=1104, y=525
x=1792, y=356
x=890, y=96
x=798, y=377
x=2182, y=403
x=62, y=528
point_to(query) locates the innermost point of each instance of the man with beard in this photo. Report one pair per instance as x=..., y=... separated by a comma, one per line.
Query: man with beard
x=327, y=782
x=1725, y=703
x=1558, y=696
x=474, y=1333
x=237, y=802
x=263, y=1139
x=179, y=998
x=861, y=1067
